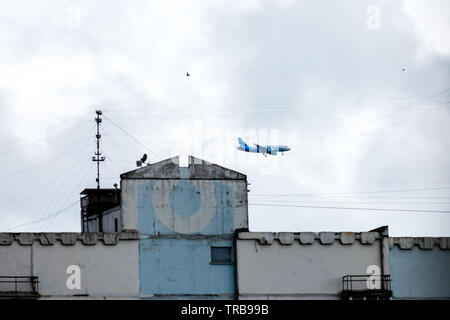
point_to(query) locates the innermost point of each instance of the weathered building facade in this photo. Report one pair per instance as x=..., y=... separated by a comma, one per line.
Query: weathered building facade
x=420, y=267
x=69, y=265
x=173, y=232
x=186, y=218
x=309, y=265
x=100, y=210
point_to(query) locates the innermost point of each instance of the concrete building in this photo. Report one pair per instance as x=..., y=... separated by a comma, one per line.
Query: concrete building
x=100, y=210
x=420, y=268
x=306, y=265
x=186, y=218
x=69, y=265
x=174, y=232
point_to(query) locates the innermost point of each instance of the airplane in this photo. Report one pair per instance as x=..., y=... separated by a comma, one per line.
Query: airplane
x=273, y=150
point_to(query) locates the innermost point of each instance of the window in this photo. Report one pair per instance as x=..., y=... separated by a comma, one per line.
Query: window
x=221, y=255
x=116, y=227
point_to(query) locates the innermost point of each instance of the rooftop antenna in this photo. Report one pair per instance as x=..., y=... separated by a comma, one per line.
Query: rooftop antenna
x=97, y=157
x=142, y=161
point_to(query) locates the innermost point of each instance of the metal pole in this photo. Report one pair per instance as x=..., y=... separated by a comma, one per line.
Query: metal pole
x=97, y=159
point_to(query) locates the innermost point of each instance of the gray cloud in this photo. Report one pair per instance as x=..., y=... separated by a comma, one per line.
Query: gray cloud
x=333, y=88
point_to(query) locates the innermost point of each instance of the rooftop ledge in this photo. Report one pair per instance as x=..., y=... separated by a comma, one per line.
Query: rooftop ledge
x=264, y=238
x=197, y=169
x=305, y=238
x=67, y=238
x=344, y=238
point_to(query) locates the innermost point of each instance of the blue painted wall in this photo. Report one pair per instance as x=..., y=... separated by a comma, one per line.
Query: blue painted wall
x=185, y=200
x=420, y=273
x=180, y=264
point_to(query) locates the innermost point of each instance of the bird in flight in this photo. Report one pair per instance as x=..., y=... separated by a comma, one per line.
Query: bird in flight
x=187, y=74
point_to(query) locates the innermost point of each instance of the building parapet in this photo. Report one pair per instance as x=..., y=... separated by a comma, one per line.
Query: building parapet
x=264, y=238
x=187, y=236
x=424, y=243
x=170, y=169
x=306, y=238
x=66, y=238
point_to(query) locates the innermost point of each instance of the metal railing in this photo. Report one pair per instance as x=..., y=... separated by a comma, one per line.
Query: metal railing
x=355, y=283
x=17, y=286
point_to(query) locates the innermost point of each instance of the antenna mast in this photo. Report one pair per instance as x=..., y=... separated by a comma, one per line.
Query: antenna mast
x=97, y=157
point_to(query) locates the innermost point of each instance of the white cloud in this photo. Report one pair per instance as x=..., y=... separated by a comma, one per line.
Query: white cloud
x=432, y=23
x=131, y=58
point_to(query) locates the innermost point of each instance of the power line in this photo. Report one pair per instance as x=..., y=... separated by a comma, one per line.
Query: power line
x=63, y=154
x=16, y=144
x=28, y=184
x=313, y=104
x=360, y=192
x=34, y=194
x=116, y=148
x=129, y=135
x=346, y=208
x=68, y=171
x=354, y=202
x=44, y=218
x=350, y=197
x=279, y=111
x=69, y=195
x=340, y=132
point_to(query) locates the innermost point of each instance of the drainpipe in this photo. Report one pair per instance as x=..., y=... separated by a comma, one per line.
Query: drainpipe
x=236, y=262
x=384, y=243
x=236, y=281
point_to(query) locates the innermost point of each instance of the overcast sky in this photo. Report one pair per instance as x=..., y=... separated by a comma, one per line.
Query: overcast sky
x=359, y=90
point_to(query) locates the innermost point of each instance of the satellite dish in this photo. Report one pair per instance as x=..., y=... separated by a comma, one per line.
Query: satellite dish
x=144, y=157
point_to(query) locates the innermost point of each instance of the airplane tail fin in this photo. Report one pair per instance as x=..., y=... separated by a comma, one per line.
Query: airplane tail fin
x=242, y=144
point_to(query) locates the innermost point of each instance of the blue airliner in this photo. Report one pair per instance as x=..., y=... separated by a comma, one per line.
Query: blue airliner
x=265, y=150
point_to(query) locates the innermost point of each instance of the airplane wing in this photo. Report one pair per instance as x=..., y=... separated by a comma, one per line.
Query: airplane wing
x=263, y=149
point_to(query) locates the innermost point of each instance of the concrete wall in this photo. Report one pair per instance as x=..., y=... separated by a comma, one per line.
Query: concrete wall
x=183, y=206
x=420, y=270
x=183, y=199
x=177, y=267
x=178, y=222
x=109, y=218
x=108, y=263
x=93, y=225
x=189, y=206
x=180, y=213
x=302, y=265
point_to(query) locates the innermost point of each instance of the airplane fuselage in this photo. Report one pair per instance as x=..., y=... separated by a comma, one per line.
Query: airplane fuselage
x=272, y=149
